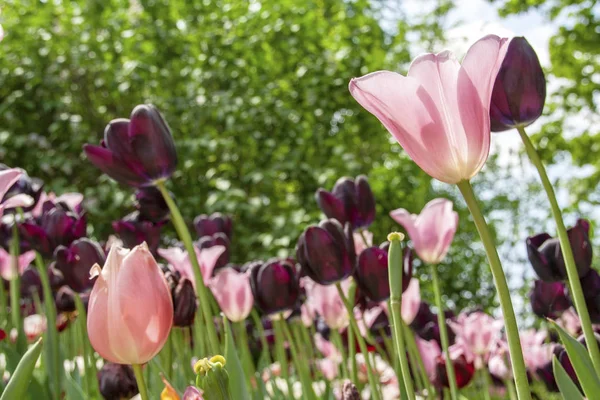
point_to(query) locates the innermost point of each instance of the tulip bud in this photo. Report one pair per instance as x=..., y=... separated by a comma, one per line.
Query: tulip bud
x=133, y=231
x=117, y=381
x=545, y=254
x=184, y=303
x=275, y=286
x=218, y=239
x=326, y=252
x=212, y=378
x=209, y=225
x=136, y=152
x=74, y=263
x=520, y=88
x=549, y=299
x=130, y=308
x=151, y=204
x=350, y=202
x=590, y=284
x=233, y=292
x=372, y=273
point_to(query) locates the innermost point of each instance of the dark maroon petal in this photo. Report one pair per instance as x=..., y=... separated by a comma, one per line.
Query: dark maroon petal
x=590, y=284
x=151, y=204
x=331, y=206
x=65, y=299
x=36, y=237
x=133, y=231
x=546, y=375
x=542, y=252
x=581, y=246
x=549, y=299
x=366, y=203
x=30, y=283
x=117, y=381
x=564, y=360
x=372, y=275
x=218, y=239
x=275, y=286
x=327, y=260
x=74, y=263
x=345, y=190
x=184, y=303
x=423, y=317
x=113, y=166
x=463, y=370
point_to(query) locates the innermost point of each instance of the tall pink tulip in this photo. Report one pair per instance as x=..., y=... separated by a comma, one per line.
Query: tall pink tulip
x=432, y=230
x=439, y=112
x=180, y=261
x=233, y=293
x=326, y=301
x=130, y=310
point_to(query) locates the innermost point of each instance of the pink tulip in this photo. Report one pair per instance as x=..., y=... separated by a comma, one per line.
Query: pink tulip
x=34, y=326
x=233, y=293
x=73, y=200
x=411, y=300
x=477, y=335
x=6, y=261
x=180, y=261
x=429, y=351
x=326, y=301
x=536, y=352
x=499, y=362
x=130, y=310
x=439, y=112
x=7, y=178
x=432, y=230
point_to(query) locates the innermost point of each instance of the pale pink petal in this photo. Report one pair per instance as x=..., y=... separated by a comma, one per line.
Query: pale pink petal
x=192, y=393
x=326, y=302
x=207, y=258
x=7, y=178
x=19, y=200
x=39, y=207
x=429, y=351
x=25, y=260
x=328, y=368
x=180, y=262
x=408, y=221
x=73, y=200
x=233, y=293
x=5, y=265
x=411, y=299
x=436, y=225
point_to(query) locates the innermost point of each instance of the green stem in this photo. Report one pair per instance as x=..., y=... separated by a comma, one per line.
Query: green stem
x=361, y=342
x=307, y=389
x=510, y=321
x=88, y=354
x=15, y=292
x=337, y=341
x=565, y=245
x=412, y=346
x=364, y=238
x=282, y=355
x=139, y=378
x=186, y=238
x=510, y=385
x=352, y=345
x=443, y=332
x=485, y=383
x=242, y=342
x=168, y=349
x=3, y=306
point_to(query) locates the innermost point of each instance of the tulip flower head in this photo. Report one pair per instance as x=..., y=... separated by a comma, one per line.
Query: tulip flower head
x=180, y=261
x=275, y=286
x=432, y=230
x=136, y=151
x=233, y=293
x=326, y=301
x=133, y=230
x=8, y=177
x=117, y=381
x=151, y=204
x=184, y=303
x=549, y=299
x=130, y=310
x=218, y=239
x=439, y=112
x=6, y=263
x=477, y=335
x=24, y=192
x=351, y=201
x=208, y=225
x=75, y=261
x=590, y=284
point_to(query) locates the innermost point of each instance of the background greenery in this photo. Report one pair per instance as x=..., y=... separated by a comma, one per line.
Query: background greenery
x=256, y=95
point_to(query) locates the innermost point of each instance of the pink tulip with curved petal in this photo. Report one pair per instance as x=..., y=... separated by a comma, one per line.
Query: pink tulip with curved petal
x=432, y=231
x=411, y=300
x=439, y=112
x=23, y=262
x=326, y=301
x=8, y=178
x=180, y=261
x=429, y=350
x=233, y=293
x=477, y=335
x=130, y=310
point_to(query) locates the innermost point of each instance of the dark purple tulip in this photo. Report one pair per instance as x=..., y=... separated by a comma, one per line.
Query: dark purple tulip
x=184, y=303
x=372, y=271
x=134, y=231
x=136, y=151
x=55, y=228
x=151, y=204
x=546, y=375
x=208, y=225
x=30, y=283
x=75, y=261
x=590, y=284
x=218, y=239
x=546, y=257
x=520, y=89
x=275, y=286
x=33, y=187
x=117, y=381
x=65, y=299
x=326, y=253
x=463, y=370
x=350, y=201
x=549, y=299
x=423, y=317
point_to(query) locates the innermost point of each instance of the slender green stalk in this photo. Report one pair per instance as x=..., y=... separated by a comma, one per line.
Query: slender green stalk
x=485, y=383
x=510, y=321
x=307, y=389
x=337, y=341
x=203, y=295
x=364, y=238
x=168, y=356
x=361, y=342
x=265, y=346
x=443, y=332
x=88, y=354
x=3, y=306
x=15, y=292
x=282, y=355
x=352, y=344
x=395, y=281
x=412, y=347
x=565, y=245
x=242, y=342
x=141, y=383
x=510, y=385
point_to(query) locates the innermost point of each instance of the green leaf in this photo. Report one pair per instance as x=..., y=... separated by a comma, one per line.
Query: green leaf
x=567, y=387
x=581, y=362
x=237, y=379
x=74, y=391
x=19, y=381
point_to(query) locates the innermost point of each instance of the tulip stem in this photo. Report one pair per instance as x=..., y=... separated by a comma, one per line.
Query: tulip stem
x=364, y=239
x=139, y=378
x=412, y=346
x=15, y=291
x=443, y=331
x=281, y=353
x=351, y=342
x=186, y=238
x=565, y=244
x=361, y=342
x=336, y=338
x=300, y=365
x=512, y=330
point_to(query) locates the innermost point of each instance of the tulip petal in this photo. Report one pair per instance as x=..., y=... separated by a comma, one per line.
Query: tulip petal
x=331, y=206
x=7, y=178
x=411, y=300
x=19, y=200
x=112, y=165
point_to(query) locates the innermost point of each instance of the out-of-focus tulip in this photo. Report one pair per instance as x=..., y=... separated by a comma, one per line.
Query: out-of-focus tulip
x=275, y=286
x=546, y=256
x=520, y=88
x=351, y=201
x=218, y=239
x=8, y=177
x=34, y=326
x=65, y=299
x=117, y=381
x=133, y=231
x=590, y=284
x=6, y=261
x=549, y=299
x=565, y=361
x=439, y=112
x=499, y=362
x=546, y=375
x=184, y=303
x=233, y=293
x=68, y=201
x=136, y=151
x=326, y=301
x=429, y=351
x=209, y=225
x=411, y=301
x=350, y=392
x=130, y=307
x=151, y=204
x=30, y=283
x=432, y=230
x=192, y=393
x=477, y=335
x=74, y=263
x=463, y=369
x=55, y=228
x=24, y=192
x=326, y=252
x=180, y=261
x=423, y=317
x=372, y=272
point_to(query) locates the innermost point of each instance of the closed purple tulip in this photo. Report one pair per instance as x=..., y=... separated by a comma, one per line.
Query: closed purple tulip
x=350, y=201
x=54, y=228
x=184, y=303
x=372, y=272
x=326, y=252
x=590, y=284
x=134, y=231
x=117, y=381
x=520, y=88
x=218, y=239
x=546, y=257
x=30, y=283
x=65, y=299
x=549, y=299
x=424, y=316
x=75, y=261
x=136, y=151
x=209, y=225
x=151, y=204
x=275, y=286
x=563, y=357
